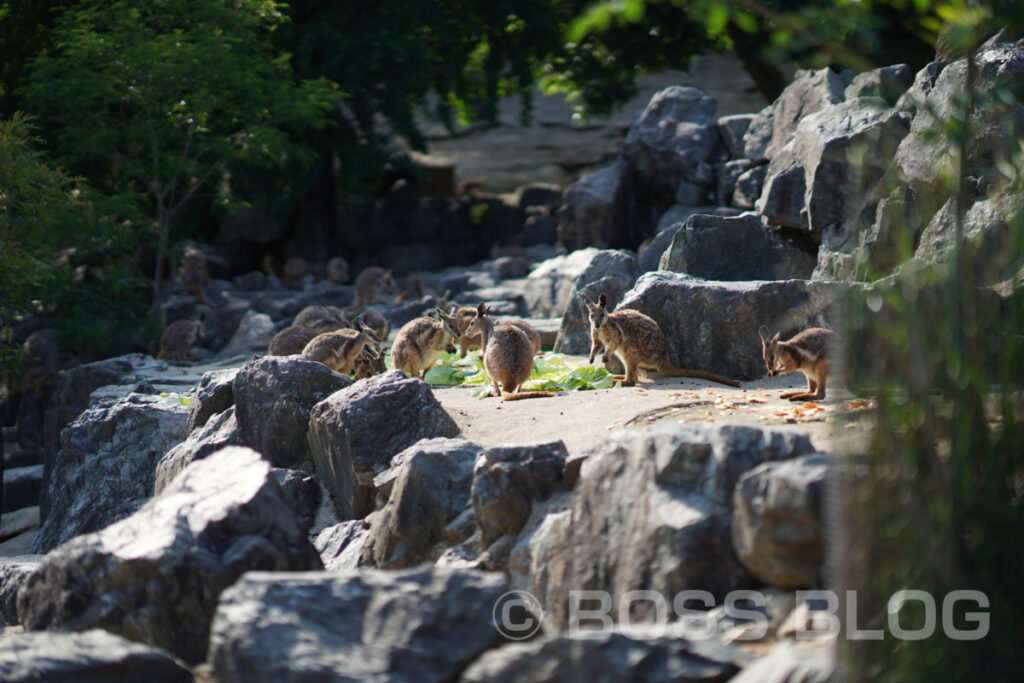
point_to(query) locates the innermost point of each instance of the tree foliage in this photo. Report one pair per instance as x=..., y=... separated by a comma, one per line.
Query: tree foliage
x=162, y=100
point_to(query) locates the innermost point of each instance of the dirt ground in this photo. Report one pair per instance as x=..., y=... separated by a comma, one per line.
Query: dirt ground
x=584, y=419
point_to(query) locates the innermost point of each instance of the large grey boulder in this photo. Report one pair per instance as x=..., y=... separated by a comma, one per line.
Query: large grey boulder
x=739, y=248
x=596, y=209
x=71, y=395
x=652, y=511
x=215, y=394
x=606, y=657
x=418, y=626
x=887, y=82
x=712, y=326
x=777, y=525
x=772, y=127
x=934, y=100
x=547, y=288
x=13, y=572
x=672, y=142
x=273, y=399
x=987, y=232
x=90, y=656
x=507, y=480
x=430, y=490
x=355, y=432
x=255, y=330
x=155, y=576
x=104, y=470
x=611, y=272
x=836, y=156
x=220, y=431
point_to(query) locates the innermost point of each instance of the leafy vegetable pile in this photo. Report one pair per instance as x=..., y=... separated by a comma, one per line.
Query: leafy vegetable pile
x=550, y=373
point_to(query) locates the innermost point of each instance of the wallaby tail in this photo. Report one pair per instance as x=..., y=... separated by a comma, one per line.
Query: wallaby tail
x=699, y=374
x=506, y=396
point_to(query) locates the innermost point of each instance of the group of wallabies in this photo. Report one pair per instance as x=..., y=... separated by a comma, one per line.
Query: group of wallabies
x=349, y=340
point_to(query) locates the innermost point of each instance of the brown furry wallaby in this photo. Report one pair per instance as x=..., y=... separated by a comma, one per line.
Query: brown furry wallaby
x=193, y=275
x=508, y=356
x=371, y=282
x=420, y=341
x=340, y=350
x=368, y=364
x=638, y=342
x=178, y=337
x=809, y=352
x=465, y=316
x=337, y=270
x=320, y=318
x=291, y=340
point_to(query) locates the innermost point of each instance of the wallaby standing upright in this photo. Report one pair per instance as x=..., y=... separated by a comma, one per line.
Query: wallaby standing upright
x=638, y=342
x=340, y=349
x=420, y=341
x=337, y=270
x=508, y=356
x=178, y=337
x=371, y=282
x=809, y=352
x=193, y=274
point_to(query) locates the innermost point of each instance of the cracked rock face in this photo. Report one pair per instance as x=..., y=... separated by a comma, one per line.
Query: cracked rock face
x=155, y=577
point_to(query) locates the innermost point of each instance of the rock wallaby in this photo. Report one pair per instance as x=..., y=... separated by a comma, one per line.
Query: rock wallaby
x=297, y=268
x=420, y=341
x=321, y=318
x=178, y=337
x=465, y=315
x=339, y=350
x=193, y=275
x=508, y=356
x=291, y=340
x=337, y=270
x=368, y=364
x=371, y=282
x=809, y=352
x=638, y=342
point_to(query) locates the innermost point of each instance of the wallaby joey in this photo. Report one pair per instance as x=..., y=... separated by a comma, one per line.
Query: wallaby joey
x=369, y=363
x=508, y=356
x=178, y=337
x=419, y=343
x=291, y=340
x=638, y=342
x=371, y=282
x=339, y=350
x=809, y=352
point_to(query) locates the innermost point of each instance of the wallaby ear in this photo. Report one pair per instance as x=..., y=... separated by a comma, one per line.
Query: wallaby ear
x=775, y=339
x=481, y=308
x=602, y=300
x=763, y=333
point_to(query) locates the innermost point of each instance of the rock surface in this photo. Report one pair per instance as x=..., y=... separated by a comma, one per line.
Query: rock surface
x=372, y=625
x=273, y=399
x=739, y=248
x=105, y=468
x=13, y=572
x=220, y=431
x=652, y=511
x=355, y=432
x=90, y=656
x=596, y=209
x=430, y=490
x=713, y=326
x=777, y=525
x=155, y=576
